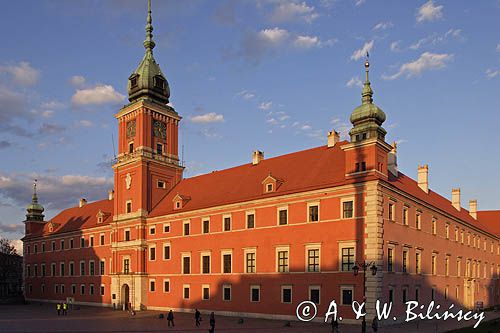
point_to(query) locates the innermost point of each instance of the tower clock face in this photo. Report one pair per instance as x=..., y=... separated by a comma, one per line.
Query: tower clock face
x=131, y=129
x=159, y=129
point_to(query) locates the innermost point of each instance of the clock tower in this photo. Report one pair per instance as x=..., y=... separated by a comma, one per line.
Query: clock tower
x=147, y=165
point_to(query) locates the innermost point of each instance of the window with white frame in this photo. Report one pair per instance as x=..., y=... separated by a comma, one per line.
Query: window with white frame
x=166, y=285
x=205, y=225
x=283, y=216
x=434, y=264
x=226, y=292
x=392, y=211
x=434, y=226
x=186, y=263
x=313, y=209
x=347, y=208
x=405, y=215
x=286, y=294
x=346, y=295
x=418, y=221
x=313, y=257
x=152, y=285
x=152, y=252
x=226, y=220
x=282, y=257
x=186, y=291
x=250, y=260
x=315, y=294
x=347, y=256
x=255, y=293
x=186, y=228
x=250, y=217
x=205, y=262
x=166, y=227
x=205, y=292
x=227, y=261
x=404, y=261
x=152, y=230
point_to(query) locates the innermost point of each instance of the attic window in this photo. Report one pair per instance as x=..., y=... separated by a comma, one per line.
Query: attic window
x=161, y=184
x=177, y=204
x=133, y=81
x=269, y=188
x=99, y=219
x=159, y=82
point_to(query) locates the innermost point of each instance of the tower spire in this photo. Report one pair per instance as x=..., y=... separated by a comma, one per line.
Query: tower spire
x=367, y=94
x=34, y=198
x=149, y=44
x=34, y=209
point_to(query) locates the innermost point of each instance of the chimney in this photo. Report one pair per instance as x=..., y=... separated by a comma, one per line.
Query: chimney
x=257, y=157
x=111, y=194
x=423, y=177
x=455, y=198
x=83, y=202
x=473, y=208
x=392, y=160
x=333, y=138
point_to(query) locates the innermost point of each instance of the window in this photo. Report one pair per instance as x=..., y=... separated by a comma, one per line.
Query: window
x=391, y=295
x=82, y=289
x=226, y=263
x=91, y=289
x=186, y=226
x=53, y=269
x=126, y=266
x=286, y=294
x=391, y=211
x=205, y=292
x=462, y=237
x=347, y=209
x=433, y=264
x=459, y=267
x=417, y=263
x=346, y=294
x=166, y=286
x=390, y=259
x=447, y=231
x=417, y=294
x=227, y=223
x=54, y=246
x=130, y=147
x=159, y=83
x=405, y=215
x=434, y=226
x=128, y=207
x=166, y=251
x=226, y=292
x=432, y=294
x=36, y=270
x=152, y=285
x=186, y=264
x=418, y=222
x=56, y=289
x=43, y=247
x=282, y=261
x=314, y=294
x=43, y=270
x=152, y=230
x=91, y=268
x=456, y=234
x=161, y=184
x=152, y=253
x=71, y=243
x=347, y=258
x=102, y=240
x=405, y=295
x=313, y=213
x=82, y=268
x=62, y=244
x=159, y=148
x=206, y=226
x=28, y=270
x=133, y=82
x=91, y=241
x=313, y=260
x=254, y=293
x=269, y=187
x=447, y=265
x=62, y=269
x=102, y=290
x=283, y=216
x=250, y=221
x=127, y=235
x=71, y=268
x=205, y=264
x=73, y=289
x=250, y=262
x=405, y=261
x=102, y=267
x=166, y=227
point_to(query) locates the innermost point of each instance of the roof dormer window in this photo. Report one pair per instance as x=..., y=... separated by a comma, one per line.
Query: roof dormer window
x=271, y=184
x=133, y=81
x=269, y=187
x=159, y=82
x=180, y=201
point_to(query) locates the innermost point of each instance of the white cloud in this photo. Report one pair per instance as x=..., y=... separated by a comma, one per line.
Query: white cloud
x=382, y=26
x=77, y=80
x=490, y=73
x=358, y=3
x=287, y=11
x=360, y=53
x=100, y=94
x=245, y=94
x=51, y=105
x=47, y=113
x=85, y=123
x=265, y=105
x=354, y=82
x=429, y=12
x=210, y=117
x=306, y=42
x=498, y=47
x=210, y=133
x=395, y=46
x=22, y=73
x=435, y=39
x=427, y=61
x=274, y=35
x=306, y=127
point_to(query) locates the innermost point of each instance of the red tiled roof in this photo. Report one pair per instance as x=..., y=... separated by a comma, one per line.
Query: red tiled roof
x=300, y=171
x=77, y=218
x=411, y=187
x=490, y=219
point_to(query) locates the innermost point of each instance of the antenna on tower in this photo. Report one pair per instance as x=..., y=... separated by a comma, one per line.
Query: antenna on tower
x=182, y=155
x=113, y=143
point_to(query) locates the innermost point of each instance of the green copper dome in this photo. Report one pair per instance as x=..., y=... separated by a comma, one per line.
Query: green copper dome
x=148, y=81
x=367, y=119
x=34, y=209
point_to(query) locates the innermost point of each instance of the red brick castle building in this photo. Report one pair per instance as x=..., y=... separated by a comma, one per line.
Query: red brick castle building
x=259, y=238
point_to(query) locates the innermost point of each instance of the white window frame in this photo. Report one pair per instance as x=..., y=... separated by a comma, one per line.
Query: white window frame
x=207, y=253
x=346, y=199
x=405, y=215
x=280, y=208
x=152, y=227
x=341, y=289
x=149, y=285
x=166, y=225
x=245, y=252
x=126, y=207
x=224, y=286
x=313, y=203
x=222, y=253
x=254, y=286
x=346, y=244
x=102, y=290
x=287, y=286
x=169, y=285
x=169, y=251
x=203, y=286
x=184, y=255
x=230, y=222
x=184, y=286
x=276, y=261
x=250, y=212
x=188, y=222
x=125, y=235
x=310, y=288
x=152, y=246
x=203, y=220
x=312, y=246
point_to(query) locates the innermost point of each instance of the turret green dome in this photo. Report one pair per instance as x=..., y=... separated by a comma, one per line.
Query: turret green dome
x=367, y=119
x=34, y=209
x=148, y=81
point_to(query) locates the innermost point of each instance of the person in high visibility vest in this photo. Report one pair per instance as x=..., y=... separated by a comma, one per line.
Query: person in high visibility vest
x=65, y=308
x=58, y=307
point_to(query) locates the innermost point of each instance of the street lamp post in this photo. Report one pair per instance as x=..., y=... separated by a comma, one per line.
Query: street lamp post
x=364, y=266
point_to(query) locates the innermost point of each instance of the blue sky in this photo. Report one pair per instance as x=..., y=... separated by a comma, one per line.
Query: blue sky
x=258, y=74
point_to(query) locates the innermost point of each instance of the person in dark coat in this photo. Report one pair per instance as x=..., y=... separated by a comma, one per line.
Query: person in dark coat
x=197, y=317
x=170, y=318
x=212, y=322
x=375, y=324
x=335, y=325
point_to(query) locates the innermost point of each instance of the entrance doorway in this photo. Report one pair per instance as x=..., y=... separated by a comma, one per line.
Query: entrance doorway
x=125, y=297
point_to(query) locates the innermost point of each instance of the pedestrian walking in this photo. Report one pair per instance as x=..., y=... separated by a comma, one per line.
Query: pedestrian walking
x=335, y=325
x=58, y=307
x=375, y=324
x=65, y=308
x=212, y=322
x=170, y=318
x=197, y=317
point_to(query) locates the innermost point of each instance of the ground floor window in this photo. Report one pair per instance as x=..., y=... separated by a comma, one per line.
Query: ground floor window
x=186, y=292
x=226, y=292
x=314, y=294
x=205, y=292
x=286, y=294
x=346, y=294
x=255, y=293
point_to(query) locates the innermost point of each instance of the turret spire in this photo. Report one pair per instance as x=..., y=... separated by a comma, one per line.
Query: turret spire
x=367, y=94
x=34, y=209
x=34, y=198
x=149, y=44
